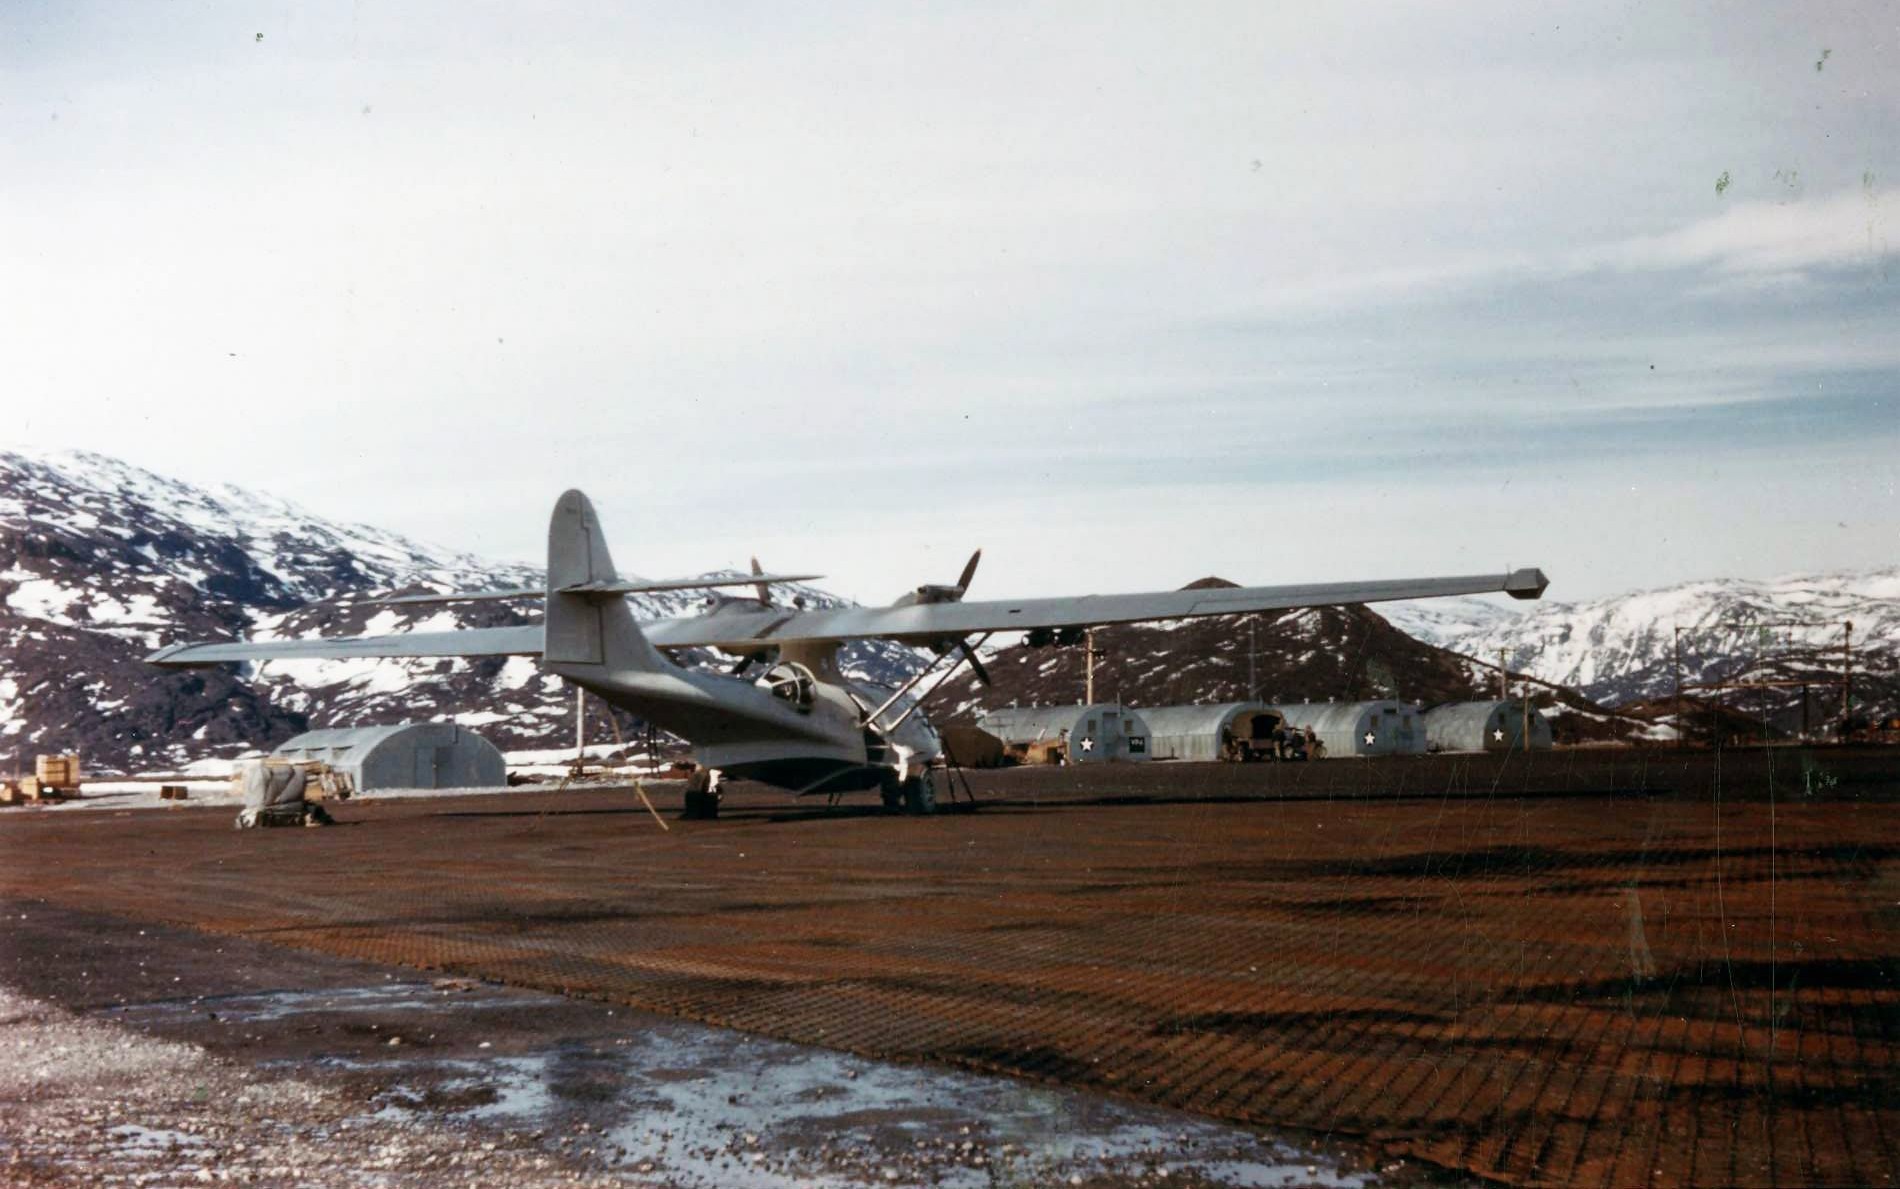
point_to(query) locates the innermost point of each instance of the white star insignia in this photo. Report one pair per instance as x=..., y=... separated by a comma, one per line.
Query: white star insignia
x=1498, y=734
x=1088, y=745
x=1371, y=738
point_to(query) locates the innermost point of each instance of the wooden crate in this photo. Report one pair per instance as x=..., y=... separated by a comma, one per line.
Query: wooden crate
x=26, y=790
x=60, y=772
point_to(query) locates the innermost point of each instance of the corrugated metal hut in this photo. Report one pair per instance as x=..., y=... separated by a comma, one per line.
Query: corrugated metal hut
x=1484, y=726
x=414, y=755
x=1235, y=731
x=1102, y=733
x=1378, y=728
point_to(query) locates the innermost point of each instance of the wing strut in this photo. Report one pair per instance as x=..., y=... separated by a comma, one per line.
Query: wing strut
x=966, y=651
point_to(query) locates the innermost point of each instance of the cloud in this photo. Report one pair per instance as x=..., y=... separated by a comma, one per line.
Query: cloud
x=755, y=271
x=1782, y=240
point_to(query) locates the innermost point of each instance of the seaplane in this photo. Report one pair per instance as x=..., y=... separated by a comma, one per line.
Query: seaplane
x=800, y=724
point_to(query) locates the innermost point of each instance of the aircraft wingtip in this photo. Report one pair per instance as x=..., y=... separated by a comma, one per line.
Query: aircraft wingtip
x=1526, y=584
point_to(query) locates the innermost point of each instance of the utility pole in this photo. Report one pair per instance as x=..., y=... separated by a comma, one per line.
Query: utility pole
x=1681, y=735
x=1847, y=671
x=580, y=735
x=1252, y=647
x=1504, y=691
x=1088, y=643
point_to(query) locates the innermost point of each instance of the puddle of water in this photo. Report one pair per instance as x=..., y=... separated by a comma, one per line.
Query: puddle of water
x=267, y=1006
x=711, y=1108
x=700, y=1106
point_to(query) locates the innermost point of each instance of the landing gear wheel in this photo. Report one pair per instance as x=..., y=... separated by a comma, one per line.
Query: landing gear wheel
x=920, y=795
x=891, y=788
x=702, y=800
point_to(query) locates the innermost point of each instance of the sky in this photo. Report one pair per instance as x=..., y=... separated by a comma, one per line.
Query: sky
x=1126, y=295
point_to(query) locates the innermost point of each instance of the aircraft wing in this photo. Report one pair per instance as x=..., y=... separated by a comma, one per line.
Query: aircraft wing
x=916, y=623
x=922, y=623
x=525, y=640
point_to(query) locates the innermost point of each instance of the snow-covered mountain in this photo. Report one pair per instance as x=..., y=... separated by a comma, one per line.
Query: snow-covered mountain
x=1621, y=650
x=101, y=561
x=1437, y=621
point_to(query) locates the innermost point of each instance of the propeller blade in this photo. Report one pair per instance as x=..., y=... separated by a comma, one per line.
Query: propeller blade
x=765, y=591
x=738, y=670
x=969, y=570
x=976, y=666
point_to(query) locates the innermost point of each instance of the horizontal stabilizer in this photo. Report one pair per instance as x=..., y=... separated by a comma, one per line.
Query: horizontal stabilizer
x=525, y=640
x=603, y=589
x=648, y=586
x=459, y=596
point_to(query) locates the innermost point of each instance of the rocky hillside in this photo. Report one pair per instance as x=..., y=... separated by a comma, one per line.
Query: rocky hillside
x=1318, y=654
x=101, y=562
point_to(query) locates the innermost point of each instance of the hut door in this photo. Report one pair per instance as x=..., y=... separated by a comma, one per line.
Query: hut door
x=425, y=768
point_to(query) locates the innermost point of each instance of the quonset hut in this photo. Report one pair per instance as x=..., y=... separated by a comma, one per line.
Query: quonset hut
x=1102, y=733
x=1484, y=726
x=1234, y=731
x=413, y=755
x=1379, y=728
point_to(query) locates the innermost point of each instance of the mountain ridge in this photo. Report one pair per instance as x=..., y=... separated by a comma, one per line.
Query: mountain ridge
x=1623, y=650
x=102, y=561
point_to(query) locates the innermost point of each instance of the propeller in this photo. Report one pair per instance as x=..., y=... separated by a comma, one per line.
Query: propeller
x=954, y=594
x=764, y=589
x=935, y=593
x=976, y=666
x=932, y=592
x=969, y=572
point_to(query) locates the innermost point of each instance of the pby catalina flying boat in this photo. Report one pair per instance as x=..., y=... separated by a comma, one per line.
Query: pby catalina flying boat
x=802, y=725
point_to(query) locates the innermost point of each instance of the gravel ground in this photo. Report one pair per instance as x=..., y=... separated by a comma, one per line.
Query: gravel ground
x=87, y=1102
x=1614, y=969
x=150, y=1055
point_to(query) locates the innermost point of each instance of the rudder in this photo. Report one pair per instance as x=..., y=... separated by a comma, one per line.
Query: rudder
x=588, y=629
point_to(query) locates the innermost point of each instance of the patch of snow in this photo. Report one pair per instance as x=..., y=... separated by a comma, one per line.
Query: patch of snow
x=42, y=598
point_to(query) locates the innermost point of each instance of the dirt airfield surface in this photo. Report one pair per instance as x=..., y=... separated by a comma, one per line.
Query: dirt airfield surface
x=1595, y=968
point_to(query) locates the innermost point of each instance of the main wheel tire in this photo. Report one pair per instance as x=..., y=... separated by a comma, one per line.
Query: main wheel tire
x=890, y=789
x=920, y=795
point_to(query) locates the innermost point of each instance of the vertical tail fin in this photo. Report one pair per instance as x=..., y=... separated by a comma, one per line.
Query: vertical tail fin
x=589, y=629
